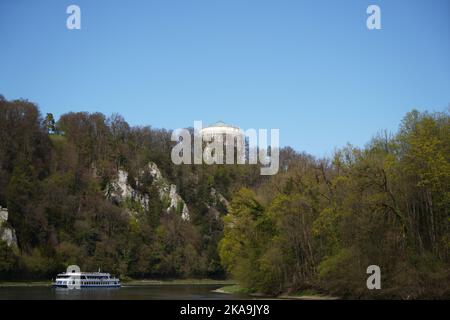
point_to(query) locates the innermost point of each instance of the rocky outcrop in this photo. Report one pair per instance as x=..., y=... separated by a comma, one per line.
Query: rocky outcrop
x=6, y=234
x=3, y=215
x=177, y=202
x=218, y=200
x=120, y=189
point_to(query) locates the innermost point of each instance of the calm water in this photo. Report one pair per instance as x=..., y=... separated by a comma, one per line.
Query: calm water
x=177, y=292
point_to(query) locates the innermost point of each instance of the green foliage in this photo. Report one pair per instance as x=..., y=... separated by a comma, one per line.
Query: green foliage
x=49, y=123
x=316, y=225
x=386, y=204
x=54, y=177
x=8, y=261
x=242, y=240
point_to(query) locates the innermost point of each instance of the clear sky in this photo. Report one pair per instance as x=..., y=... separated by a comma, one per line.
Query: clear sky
x=310, y=68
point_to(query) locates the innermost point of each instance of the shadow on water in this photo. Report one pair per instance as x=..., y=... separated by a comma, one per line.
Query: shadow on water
x=150, y=292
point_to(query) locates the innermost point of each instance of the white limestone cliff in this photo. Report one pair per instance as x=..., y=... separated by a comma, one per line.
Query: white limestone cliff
x=6, y=234
x=120, y=189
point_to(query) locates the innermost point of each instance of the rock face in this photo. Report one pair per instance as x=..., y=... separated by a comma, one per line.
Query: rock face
x=176, y=201
x=3, y=215
x=120, y=190
x=218, y=200
x=6, y=234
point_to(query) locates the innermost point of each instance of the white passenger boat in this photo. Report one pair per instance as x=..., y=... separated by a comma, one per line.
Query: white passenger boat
x=86, y=280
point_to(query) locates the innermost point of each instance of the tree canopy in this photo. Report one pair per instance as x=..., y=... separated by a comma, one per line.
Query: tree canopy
x=317, y=224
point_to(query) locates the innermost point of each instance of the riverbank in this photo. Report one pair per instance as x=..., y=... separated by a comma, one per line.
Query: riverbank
x=147, y=282
x=305, y=295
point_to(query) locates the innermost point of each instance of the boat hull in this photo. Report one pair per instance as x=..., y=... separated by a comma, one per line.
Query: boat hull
x=83, y=286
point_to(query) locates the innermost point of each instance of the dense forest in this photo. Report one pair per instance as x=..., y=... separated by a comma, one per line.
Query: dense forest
x=53, y=179
x=322, y=222
x=316, y=225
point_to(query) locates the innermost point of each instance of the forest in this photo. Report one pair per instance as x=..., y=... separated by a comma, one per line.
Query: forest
x=316, y=225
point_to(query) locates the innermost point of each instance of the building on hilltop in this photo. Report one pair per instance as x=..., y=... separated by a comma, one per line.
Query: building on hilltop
x=232, y=137
x=224, y=129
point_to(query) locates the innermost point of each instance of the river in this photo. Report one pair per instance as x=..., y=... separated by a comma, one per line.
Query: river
x=139, y=292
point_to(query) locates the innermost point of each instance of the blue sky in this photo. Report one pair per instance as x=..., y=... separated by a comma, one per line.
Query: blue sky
x=310, y=68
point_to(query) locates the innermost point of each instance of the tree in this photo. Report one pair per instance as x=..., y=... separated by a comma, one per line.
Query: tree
x=49, y=123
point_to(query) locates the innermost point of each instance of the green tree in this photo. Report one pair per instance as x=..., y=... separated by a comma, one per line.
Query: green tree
x=49, y=123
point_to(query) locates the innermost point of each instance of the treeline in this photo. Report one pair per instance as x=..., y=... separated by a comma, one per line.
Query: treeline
x=53, y=178
x=316, y=225
x=320, y=223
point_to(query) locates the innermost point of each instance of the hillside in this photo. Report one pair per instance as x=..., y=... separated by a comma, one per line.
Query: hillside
x=93, y=191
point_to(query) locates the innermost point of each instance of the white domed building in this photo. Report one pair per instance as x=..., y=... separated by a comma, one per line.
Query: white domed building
x=232, y=137
x=221, y=128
